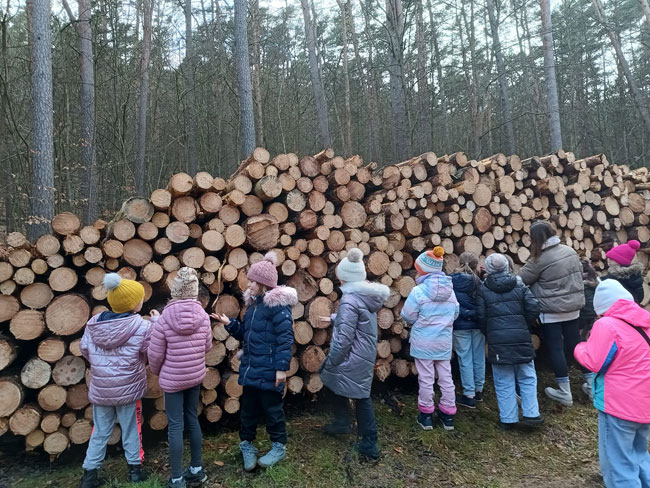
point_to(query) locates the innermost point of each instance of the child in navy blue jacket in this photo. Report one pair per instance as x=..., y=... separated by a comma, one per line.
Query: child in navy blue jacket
x=469, y=341
x=266, y=334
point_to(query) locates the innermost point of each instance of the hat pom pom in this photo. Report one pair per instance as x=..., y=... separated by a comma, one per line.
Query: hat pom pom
x=271, y=257
x=634, y=244
x=438, y=251
x=112, y=281
x=355, y=255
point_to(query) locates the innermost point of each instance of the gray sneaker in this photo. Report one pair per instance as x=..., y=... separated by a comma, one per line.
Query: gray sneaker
x=562, y=395
x=277, y=453
x=249, y=453
x=176, y=484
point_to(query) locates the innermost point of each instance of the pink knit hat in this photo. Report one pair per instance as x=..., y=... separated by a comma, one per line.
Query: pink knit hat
x=624, y=254
x=264, y=272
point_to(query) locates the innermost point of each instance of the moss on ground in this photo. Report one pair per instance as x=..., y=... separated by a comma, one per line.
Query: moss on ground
x=477, y=454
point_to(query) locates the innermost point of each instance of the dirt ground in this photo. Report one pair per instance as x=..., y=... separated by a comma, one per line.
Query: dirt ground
x=478, y=453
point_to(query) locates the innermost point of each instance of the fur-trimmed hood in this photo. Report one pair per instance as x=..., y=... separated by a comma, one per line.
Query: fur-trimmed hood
x=372, y=294
x=280, y=296
x=625, y=272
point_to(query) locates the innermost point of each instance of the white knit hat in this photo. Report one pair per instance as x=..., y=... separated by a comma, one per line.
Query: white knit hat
x=185, y=284
x=607, y=293
x=351, y=268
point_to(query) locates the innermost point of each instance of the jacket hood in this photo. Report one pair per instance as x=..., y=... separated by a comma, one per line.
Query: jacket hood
x=550, y=242
x=185, y=317
x=113, y=333
x=437, y=286
x=372, y=294
x=629, y=311
x=464, y=282
x=280, y=296
x=501, y=282
x=626, y=272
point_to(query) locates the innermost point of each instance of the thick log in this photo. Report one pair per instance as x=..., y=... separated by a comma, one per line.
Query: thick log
x=69, y=370
x=35, y=374
x=11, y=396
x=312, y=358
x=67, y=314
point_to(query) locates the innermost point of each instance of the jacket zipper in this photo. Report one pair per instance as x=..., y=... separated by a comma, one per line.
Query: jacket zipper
x=250, y=329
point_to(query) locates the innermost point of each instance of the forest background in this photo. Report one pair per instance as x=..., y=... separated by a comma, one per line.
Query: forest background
x=141, y=89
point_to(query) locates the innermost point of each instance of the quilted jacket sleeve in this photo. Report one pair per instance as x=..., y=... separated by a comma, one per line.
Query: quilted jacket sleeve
x=236, y=329
x=208, y=329
x=283, y=332
x=597, y=353
x=157, y=347
x=83, y=345
x=531, y=306
x=530, y=272
x=343, y=333
x=411, y=308
x=481, y=310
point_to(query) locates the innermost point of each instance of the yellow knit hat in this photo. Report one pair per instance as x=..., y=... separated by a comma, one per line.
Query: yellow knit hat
x=123, y=295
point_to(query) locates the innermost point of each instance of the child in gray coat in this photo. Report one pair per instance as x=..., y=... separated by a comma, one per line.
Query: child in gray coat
x=349, y=366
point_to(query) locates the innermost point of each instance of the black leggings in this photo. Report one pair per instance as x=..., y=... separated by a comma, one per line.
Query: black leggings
x=561, y=338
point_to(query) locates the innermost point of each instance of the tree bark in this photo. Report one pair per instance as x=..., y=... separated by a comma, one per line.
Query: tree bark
x=503, y=82
x=347, y=133
x=395, y=26
x=42, y=148
x=441, y=80
x=257, y=74
x=247, y=119
x=316, y=80
x=424, y=101
x=646, y=11
x=143, y=100
x=190, y=108
x=634, y=87
x=549, y=76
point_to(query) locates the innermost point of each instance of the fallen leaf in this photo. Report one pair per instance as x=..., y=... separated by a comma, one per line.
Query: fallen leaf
x=398, y=450
x=218, y=463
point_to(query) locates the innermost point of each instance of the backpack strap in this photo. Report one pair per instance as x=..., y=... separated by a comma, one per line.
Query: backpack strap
x=639, y=330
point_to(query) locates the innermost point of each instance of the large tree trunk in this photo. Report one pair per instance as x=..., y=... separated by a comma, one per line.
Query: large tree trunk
x=190, y=108
x=503, y=82
x=395, y=26
x=549, y=76
x=646, y=11
x=257, y=74
x=316, y=80
x=143, y=100
x=441, y=80
x=424, y=101
x=347, y=133
x=42, y=148
x=634, y=87
x=247, y=119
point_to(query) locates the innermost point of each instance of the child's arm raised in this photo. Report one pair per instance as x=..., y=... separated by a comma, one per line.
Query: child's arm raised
x=343, y=333
x=233, y=326
x=598, y=352
x=157, y=348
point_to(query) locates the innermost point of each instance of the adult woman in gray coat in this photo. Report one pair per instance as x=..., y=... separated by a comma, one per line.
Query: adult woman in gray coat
x=349, y=367
x=554, y=274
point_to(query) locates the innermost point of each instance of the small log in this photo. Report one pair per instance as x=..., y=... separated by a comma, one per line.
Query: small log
x=51, y=349
x=69, y=370
x=312, y=358
x=80, y=432
x=55, y=443
x=66, y=224
x=35, y=374
x=25, y=420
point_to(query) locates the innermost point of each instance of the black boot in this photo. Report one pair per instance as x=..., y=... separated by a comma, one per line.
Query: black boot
x=339, y=426
x=368, y=447
x=91, y=479
x=136, y=474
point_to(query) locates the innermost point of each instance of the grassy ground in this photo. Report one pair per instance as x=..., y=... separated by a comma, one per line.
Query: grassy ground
x=477, y=454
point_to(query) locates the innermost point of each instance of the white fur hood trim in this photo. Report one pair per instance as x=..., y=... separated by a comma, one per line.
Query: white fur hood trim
x=279, y=296
x=367, y=288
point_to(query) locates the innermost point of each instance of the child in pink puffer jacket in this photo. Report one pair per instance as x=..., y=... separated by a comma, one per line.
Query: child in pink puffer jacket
x=179, y=341
x=618, y=351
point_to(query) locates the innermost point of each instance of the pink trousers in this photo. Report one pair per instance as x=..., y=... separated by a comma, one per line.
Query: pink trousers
x=428, y=369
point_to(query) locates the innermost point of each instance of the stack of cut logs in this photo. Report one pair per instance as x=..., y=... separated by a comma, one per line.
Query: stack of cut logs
x=310, y=210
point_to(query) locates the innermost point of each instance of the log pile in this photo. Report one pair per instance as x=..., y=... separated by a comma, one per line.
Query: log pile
x=310, y=210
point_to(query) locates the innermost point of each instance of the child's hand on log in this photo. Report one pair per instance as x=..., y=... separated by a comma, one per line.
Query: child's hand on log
x=280, y=377
x=221, y=318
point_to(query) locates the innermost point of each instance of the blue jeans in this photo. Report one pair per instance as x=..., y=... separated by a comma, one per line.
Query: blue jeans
x=470, y=349
x=182, y=412
x=104, y=421
x=623, y=452
x=505, y=378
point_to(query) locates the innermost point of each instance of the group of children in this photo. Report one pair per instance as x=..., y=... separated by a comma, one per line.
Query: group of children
x=458, y=312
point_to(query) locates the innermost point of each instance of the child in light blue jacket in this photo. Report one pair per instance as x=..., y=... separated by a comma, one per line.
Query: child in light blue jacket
x=431, y=309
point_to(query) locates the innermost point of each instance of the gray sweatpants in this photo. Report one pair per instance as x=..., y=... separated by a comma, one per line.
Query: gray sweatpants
x=104, y=420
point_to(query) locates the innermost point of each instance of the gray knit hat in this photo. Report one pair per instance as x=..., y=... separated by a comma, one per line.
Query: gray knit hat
x=186, y=284
x=496, y=263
